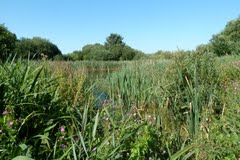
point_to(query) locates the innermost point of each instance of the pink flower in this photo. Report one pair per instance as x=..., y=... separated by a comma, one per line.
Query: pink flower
x=62, y=129
x=5, y=112
x=10, y=123
x=0, y=131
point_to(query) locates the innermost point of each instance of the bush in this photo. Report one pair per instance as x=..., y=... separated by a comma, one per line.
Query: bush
x=7, y=42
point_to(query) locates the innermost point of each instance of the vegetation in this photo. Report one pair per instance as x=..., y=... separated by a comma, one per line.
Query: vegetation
x=227, y=42
x=36, y=48
x=7, y=42
x=114, y=49
x=180, y=108
x=169, y=105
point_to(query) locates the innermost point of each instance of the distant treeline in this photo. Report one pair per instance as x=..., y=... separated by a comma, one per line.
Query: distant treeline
x=226, y=42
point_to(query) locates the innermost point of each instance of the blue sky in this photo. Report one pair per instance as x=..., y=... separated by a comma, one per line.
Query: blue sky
x=146, y=25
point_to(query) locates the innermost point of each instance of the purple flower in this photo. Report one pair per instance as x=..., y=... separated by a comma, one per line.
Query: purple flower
x=0, y=131
x=62, y=129
x=5, y=112
x=10, y=123
x=63, y=146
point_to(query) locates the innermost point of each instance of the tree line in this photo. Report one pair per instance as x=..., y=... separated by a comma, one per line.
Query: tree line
x=226, y=42
x=36, y=48
x=114, y=49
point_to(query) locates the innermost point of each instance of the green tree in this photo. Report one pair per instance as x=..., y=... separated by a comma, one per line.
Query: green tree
x=96, y=52
x=114, y=39
x=75, y=56
x=36, y=48
x=114, y=43
x=128, y=53
x=227, y=41
x=7, y=42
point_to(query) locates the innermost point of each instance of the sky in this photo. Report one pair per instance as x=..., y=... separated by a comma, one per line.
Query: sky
x=146, y=25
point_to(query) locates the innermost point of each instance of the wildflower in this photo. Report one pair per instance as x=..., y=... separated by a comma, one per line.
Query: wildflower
x=134, y=114
x=0, y=131
x=62, y=129
x=10, y=123
x=154, y=118
x=63, y=146
x=106, y=118
x=5, y=112
x=94, y=149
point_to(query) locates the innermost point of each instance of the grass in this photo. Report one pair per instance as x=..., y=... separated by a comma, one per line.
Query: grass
x=185, y=107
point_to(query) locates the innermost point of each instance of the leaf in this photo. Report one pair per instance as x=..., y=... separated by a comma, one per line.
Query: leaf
x=95, y=126
x=180, y=153
x=22, y=158
x=35, y=79
x=74, y=150
x=50, y=127
x=23, y=146
x=83, y=143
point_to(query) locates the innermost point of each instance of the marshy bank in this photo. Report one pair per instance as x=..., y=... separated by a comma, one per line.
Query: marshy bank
x=181, y=108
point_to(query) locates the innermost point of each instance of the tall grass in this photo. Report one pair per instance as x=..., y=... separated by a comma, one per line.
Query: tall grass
x=153, y=109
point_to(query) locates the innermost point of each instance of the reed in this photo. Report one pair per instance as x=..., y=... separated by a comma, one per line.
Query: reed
x=155, y=109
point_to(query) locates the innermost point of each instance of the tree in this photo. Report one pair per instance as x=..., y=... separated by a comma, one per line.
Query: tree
x=36, y=48
x=114, y=39
x=227, y=41
x=7, y=42
x=74, y=56
x=114, y=43
x=128, y=53
x=96, y=52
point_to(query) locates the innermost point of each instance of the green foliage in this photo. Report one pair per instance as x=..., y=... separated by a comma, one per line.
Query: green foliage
x=29, y=96
x=151, y=109
x=96, y=52
x=223, y=137
x=147, y=143
x=36, y=48
x=74, y=56
x=7, y=42
x=99, y=52
x=227, y=41
x=114, y=39
x=193, y=81
x=114, y=43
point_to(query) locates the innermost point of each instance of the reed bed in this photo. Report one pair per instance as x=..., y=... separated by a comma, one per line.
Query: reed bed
x=183, y=108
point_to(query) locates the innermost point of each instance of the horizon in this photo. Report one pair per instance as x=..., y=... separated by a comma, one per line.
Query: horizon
x=145, y=26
